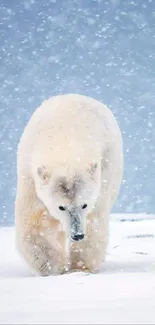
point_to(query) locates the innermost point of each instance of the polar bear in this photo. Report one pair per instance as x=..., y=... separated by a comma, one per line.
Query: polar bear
x=69, y=172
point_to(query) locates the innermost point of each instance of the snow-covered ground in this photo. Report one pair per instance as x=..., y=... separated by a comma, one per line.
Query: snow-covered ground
x=123, y=293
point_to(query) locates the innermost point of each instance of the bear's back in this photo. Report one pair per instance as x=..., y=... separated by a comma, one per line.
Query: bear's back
x=71, y=111
x=74, y=123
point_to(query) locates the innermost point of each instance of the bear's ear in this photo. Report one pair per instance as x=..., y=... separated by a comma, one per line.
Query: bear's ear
x=92, y=168
x=43, y=173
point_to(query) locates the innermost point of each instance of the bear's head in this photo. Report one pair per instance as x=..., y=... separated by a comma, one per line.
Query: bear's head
x=69, y=195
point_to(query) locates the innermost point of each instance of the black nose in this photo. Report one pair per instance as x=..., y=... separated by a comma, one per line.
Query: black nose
x=78, y=237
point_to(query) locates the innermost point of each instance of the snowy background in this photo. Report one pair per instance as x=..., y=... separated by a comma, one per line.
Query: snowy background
x=105, y=49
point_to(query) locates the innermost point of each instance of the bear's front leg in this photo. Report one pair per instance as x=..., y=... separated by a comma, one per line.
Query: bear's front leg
x=87, y=255
x=44, y=248
x=41, y=256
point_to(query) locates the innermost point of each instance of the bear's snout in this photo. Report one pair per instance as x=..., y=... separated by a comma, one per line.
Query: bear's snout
x=77, y=237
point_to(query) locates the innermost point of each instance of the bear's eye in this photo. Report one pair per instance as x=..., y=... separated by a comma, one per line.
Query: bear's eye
x=84, y=206
x=62, y=208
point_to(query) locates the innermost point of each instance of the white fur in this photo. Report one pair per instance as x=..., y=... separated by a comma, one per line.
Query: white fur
x=67, y=135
